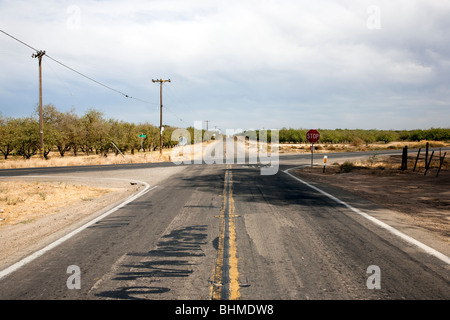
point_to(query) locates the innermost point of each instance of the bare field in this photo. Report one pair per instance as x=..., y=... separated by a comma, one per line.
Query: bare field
x=24, y=202
x=351, y=147
x=37, y=211
x=424, y=200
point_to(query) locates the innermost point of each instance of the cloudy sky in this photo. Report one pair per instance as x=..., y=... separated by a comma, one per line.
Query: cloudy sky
x=238, y=63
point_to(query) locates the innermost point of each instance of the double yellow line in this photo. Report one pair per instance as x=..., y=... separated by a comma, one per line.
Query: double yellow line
x=224, y=282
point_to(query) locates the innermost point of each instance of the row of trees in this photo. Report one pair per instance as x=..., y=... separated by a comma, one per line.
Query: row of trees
x=357, y=136
x=365, y=136
x=93, y=133
x=68, y=132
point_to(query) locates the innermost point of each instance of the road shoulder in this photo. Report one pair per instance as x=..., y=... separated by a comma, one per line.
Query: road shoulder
x=413, y=204
x=22, y=239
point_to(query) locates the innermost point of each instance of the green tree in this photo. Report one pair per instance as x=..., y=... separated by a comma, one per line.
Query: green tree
x=74, y=132
x=385, y=136
x=50, y=119
x=8, y=135
x=152, y=135
x=132, y=137
x=94, y=132
x=28, y=137
x=61, y=128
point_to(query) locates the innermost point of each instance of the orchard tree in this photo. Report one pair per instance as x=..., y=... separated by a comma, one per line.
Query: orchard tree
x=50, y=119
x=385, y=136
x=74, y=132
x=8, y=134
x=28, y=137
x=93, y=131
x=58, y=126
x=132, y=139
x=118, y=134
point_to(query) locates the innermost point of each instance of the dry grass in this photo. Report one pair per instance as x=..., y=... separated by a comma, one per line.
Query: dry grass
x=82, y=160
x=24, y=202
x=393, y=163
x=357, y=146
x=70, y=160
x=152, y=157
x=424, y=200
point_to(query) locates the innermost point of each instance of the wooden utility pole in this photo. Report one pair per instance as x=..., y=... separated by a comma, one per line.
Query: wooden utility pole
x=207, y=129
x=161, y=81
x=39, y=55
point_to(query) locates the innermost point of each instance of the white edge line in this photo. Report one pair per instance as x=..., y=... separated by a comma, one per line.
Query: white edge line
x=52, y=245
x=394, y=231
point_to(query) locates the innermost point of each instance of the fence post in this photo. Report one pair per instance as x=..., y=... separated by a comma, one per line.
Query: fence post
x=417, y=158
x=440, y=165
x=405, y=158
x=427, y=165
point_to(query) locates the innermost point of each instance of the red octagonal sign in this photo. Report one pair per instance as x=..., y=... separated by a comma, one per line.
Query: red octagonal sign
x=313, y=136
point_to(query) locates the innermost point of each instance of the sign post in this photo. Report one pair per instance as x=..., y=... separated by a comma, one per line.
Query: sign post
x=142, y=136
x=312, y=136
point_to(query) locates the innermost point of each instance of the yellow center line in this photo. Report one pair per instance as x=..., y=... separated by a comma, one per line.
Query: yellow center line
x=234, y=273
x=224, y=281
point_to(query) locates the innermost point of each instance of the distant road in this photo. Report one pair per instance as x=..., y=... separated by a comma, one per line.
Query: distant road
x=286, y=160
x=228, y=232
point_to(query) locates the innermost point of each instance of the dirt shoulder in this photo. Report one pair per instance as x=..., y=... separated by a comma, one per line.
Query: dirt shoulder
x=39, y=210
x=420, y=202
x=36, y=213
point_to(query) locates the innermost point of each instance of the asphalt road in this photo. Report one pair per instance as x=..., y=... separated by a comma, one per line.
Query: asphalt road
x=227, y=232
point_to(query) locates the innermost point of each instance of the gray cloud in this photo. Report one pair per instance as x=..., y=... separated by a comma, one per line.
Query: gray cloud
x=240, y=64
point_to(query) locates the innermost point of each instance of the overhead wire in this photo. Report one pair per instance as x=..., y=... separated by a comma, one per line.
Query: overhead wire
x=77, y=72
x=170, y=89
x=59, y=78
x=19, y=40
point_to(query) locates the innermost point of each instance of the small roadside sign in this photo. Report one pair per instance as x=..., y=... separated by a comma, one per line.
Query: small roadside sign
x=142, y=136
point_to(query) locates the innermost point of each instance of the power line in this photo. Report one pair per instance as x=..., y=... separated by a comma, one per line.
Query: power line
x=174, y=114
x=18, y=40
x=89, y=78
x=77, y=72
x=170, y=90
x=59, y=78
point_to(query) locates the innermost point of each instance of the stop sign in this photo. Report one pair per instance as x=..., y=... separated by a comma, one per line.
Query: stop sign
x=313, y=136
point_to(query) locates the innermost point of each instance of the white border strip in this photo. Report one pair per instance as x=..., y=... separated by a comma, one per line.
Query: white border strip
x=39, y=253
x=394, y=231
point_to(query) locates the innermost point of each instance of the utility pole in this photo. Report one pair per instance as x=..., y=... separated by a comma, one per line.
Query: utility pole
x=161, y=81
x=39, y=55
x=207, y=129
